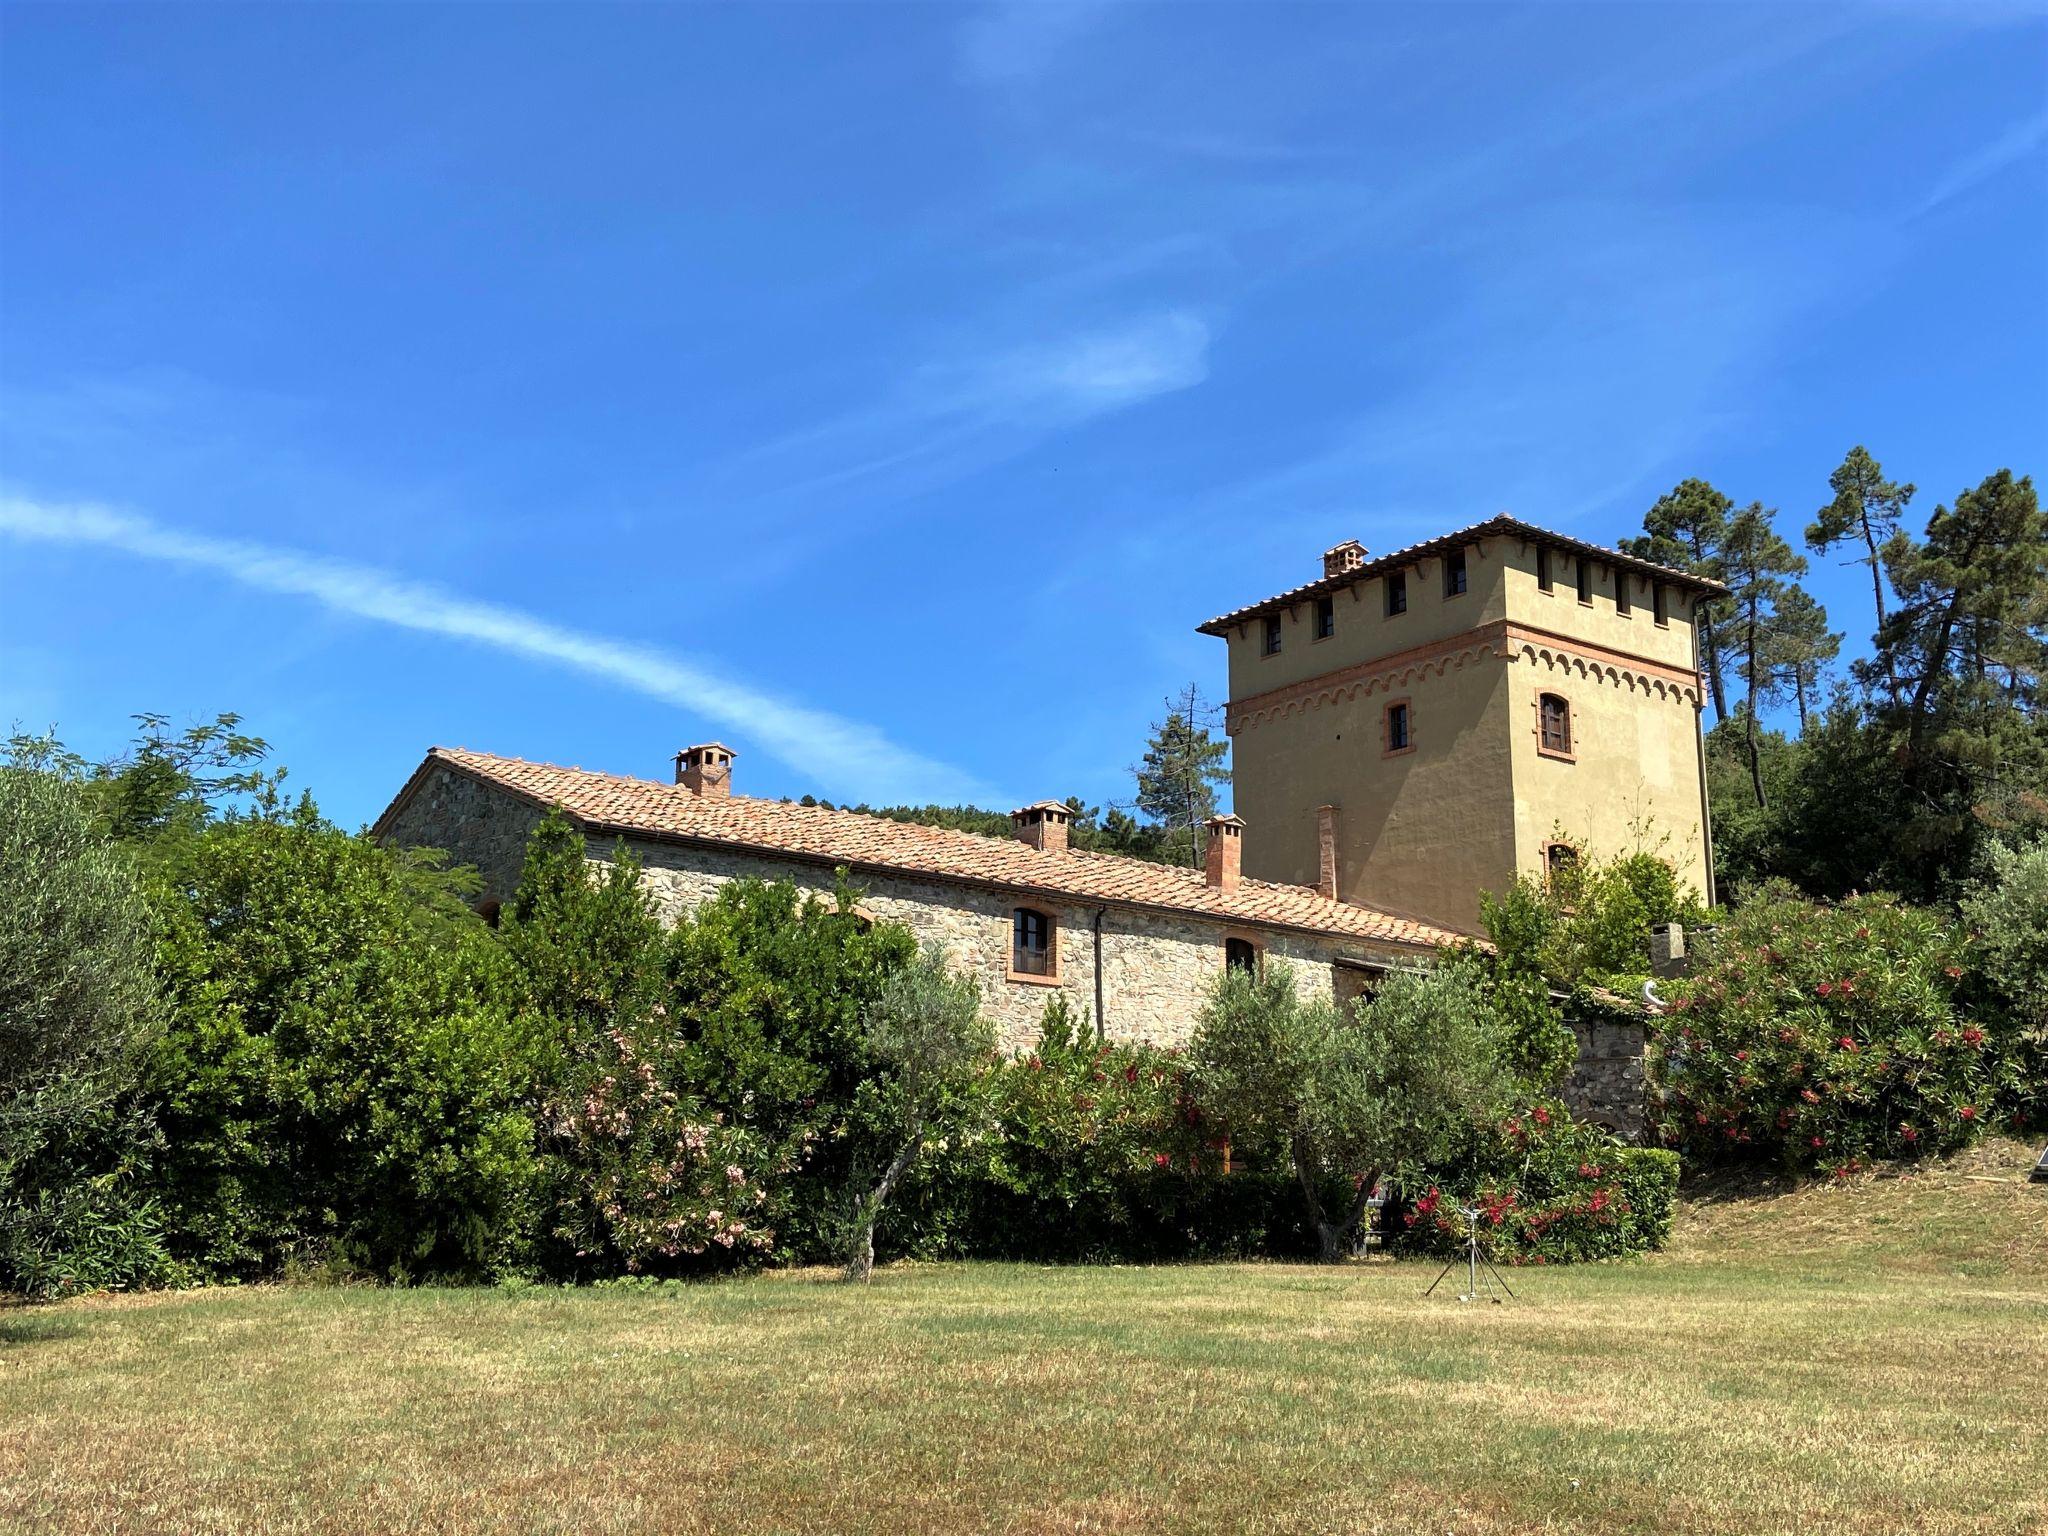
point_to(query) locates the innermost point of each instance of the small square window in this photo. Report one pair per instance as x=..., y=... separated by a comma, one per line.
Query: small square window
x=1543, y=568
x=1241, y=955
x=1454, y=573
x=1397, y=593
x=1326, y=617
x=1397, y=727
x=1271, y=645
x=1585, y=580
x=1033, y=953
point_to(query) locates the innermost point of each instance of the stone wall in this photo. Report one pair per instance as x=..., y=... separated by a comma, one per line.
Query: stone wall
x=1607, y=1082
x=1156, y=968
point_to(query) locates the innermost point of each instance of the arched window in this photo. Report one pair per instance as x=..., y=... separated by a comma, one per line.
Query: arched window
x=1241, y=955
x=1034, y=948
x=1560, y=862
x=490, y=910
x=1554, y=716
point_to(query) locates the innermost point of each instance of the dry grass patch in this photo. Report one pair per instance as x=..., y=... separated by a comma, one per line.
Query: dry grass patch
x=1860, y=1359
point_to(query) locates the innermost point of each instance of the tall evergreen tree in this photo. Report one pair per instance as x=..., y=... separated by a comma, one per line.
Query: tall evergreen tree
x=1801, y=648
x=1756, y=562
x=1968, y=644
x=1182, y=770
x=1867, y=507
x=1686, y=530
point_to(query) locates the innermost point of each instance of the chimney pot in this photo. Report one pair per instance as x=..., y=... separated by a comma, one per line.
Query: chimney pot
x=706, y=770
x=1348, y=556
x=1225, y=851
x=1043, y=825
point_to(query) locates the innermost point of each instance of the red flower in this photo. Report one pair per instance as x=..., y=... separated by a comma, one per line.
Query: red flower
x=1160, y=1159
x=1826, y=989
x=1540, y=1115
x=1846, y=1043
x=1973, y=1036
x=1820, y=1141
x=1742, y=1055
x=1968, y=1111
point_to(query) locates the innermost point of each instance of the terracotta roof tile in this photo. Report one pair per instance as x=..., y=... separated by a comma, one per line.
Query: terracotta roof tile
x=604, y=803
x=1414, y=552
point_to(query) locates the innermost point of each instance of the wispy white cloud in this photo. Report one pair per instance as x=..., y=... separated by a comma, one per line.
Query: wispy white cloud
x=845, y=756
x=955, y=416
x=2023, y=141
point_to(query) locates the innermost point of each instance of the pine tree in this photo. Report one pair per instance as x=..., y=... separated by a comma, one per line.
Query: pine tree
x=1181, y=772
x=1801, y=647
x=1868, y=507
x=1755, y=562
x=1686, y=530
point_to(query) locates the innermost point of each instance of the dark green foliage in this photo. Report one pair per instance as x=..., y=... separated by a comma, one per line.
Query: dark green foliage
x=1685, y=530
x=1866, y=510
x=2007, y=912
x=1183, y=768
x=342, y=1079
x=1822, y=1037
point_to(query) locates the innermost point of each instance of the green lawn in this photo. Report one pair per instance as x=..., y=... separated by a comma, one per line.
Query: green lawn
x=1870, y=1359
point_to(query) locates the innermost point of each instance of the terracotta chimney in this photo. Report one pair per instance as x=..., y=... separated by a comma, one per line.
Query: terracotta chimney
x=1348, y=556
x=1226, y=851
x=1043, y=825
x=1326, y=851
x=706, y=770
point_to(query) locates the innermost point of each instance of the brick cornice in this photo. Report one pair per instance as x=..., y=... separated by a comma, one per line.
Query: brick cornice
x=1501, y=637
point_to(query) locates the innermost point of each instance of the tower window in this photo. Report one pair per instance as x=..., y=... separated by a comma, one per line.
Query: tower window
x=1585, y=581
x=1033, y=954
x=1271, y=645
x=1398, y=737
x=1543, y=568
x=1622, y=605
x=1241, y=955
x=1658, y=609
x=1397, y=593
x=1326, y=617
x=1554, y=714
x=1454, y=573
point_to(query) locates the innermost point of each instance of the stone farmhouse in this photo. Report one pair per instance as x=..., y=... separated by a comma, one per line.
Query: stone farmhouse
x=1407, y=732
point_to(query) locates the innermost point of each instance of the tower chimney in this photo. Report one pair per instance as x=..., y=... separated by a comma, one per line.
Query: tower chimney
x=1326, y=851
x=1226, y=851
x=1348, y=556
x=706, y=770
x=1043, y=825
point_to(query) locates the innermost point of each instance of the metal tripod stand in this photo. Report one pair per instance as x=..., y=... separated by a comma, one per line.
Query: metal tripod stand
x=1479, y=1270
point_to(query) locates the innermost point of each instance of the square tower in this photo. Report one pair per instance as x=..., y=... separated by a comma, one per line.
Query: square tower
x=1414, y=729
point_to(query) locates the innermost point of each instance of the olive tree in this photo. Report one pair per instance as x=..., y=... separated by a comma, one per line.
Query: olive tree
x=1395, y=1082
x=927, y=1029
x=78, y=1004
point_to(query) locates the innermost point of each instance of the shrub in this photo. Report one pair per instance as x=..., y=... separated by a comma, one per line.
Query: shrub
x=1550, y=1190
x=344, y=1076
x=1824, y=1036
x=2008, y=912
x=78, y=1007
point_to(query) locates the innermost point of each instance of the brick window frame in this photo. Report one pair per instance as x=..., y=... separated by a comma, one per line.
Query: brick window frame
x=1546, y=740
x=1050, y=976
x=1387, y=747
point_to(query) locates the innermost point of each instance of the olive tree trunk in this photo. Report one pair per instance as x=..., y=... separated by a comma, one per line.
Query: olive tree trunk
x=860, y=1263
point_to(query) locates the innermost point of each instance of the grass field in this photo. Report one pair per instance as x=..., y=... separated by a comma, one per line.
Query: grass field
x=1865, y=1359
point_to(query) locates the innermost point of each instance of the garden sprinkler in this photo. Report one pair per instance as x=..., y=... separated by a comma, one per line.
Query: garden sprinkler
x=1479, y=1270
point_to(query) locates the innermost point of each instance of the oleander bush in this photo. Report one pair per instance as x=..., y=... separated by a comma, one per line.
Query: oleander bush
x=1824, y=1036
x=1549, y=1189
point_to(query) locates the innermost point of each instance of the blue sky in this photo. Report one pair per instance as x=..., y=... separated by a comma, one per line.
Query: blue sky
x=888, y=391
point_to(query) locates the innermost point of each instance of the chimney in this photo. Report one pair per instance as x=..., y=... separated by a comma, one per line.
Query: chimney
x=1226, y=851
x=706, y=770
x=1348, y=556
x=1043, y=825
x=1326, y=851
